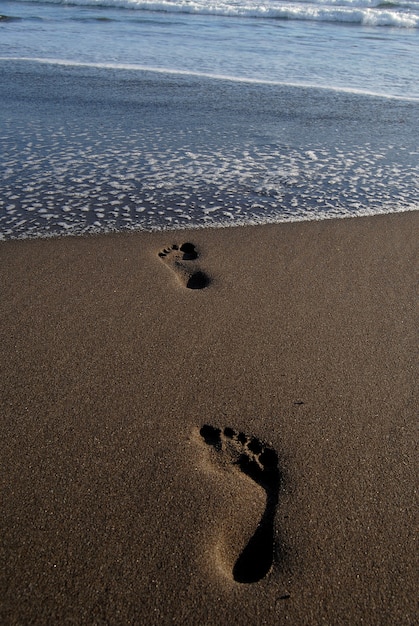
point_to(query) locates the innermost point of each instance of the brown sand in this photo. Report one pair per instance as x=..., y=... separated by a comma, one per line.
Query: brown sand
x=114, y=508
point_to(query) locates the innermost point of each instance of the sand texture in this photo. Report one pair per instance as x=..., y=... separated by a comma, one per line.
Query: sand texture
x=211, y=427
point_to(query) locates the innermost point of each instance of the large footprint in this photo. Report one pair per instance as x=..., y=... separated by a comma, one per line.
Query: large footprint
x=260, y=462
x=181, y=260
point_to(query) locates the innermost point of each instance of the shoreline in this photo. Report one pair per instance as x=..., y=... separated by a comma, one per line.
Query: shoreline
x=115, y=508
x=198, y=227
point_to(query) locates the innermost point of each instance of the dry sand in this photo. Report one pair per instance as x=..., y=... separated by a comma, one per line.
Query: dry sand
x=117, y=508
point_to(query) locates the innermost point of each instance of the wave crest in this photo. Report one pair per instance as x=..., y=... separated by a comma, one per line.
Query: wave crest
x=362, y=12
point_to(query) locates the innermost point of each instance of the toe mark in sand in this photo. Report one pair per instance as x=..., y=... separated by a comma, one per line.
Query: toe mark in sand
x=259, y=461
x=178, y=259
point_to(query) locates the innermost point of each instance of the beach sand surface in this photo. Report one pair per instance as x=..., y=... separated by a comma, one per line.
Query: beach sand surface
x=148, y=427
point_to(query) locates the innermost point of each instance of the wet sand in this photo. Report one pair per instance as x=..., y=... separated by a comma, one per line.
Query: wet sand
x=148, y=426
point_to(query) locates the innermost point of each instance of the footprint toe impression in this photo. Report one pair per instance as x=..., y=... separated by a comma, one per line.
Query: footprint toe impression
x=180, y=260
x=260, y=462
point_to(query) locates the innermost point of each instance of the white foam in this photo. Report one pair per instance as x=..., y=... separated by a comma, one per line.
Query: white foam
x=239, y=183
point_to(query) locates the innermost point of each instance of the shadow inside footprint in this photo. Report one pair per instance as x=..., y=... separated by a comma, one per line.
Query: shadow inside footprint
x=189, y=251
x=260, y=462
x=198, y=280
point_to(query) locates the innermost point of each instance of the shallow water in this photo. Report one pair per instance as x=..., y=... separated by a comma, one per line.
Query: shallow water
x=88, y=150
x=120, y=118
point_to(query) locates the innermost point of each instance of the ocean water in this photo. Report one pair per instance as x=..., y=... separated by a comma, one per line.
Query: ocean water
x=128, y=114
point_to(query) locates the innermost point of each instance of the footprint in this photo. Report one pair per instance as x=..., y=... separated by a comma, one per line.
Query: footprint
x=178, y=258
x=260, y=462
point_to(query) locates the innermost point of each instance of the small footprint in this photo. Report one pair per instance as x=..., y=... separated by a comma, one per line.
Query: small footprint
x=179, y=258
x=260, y=462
